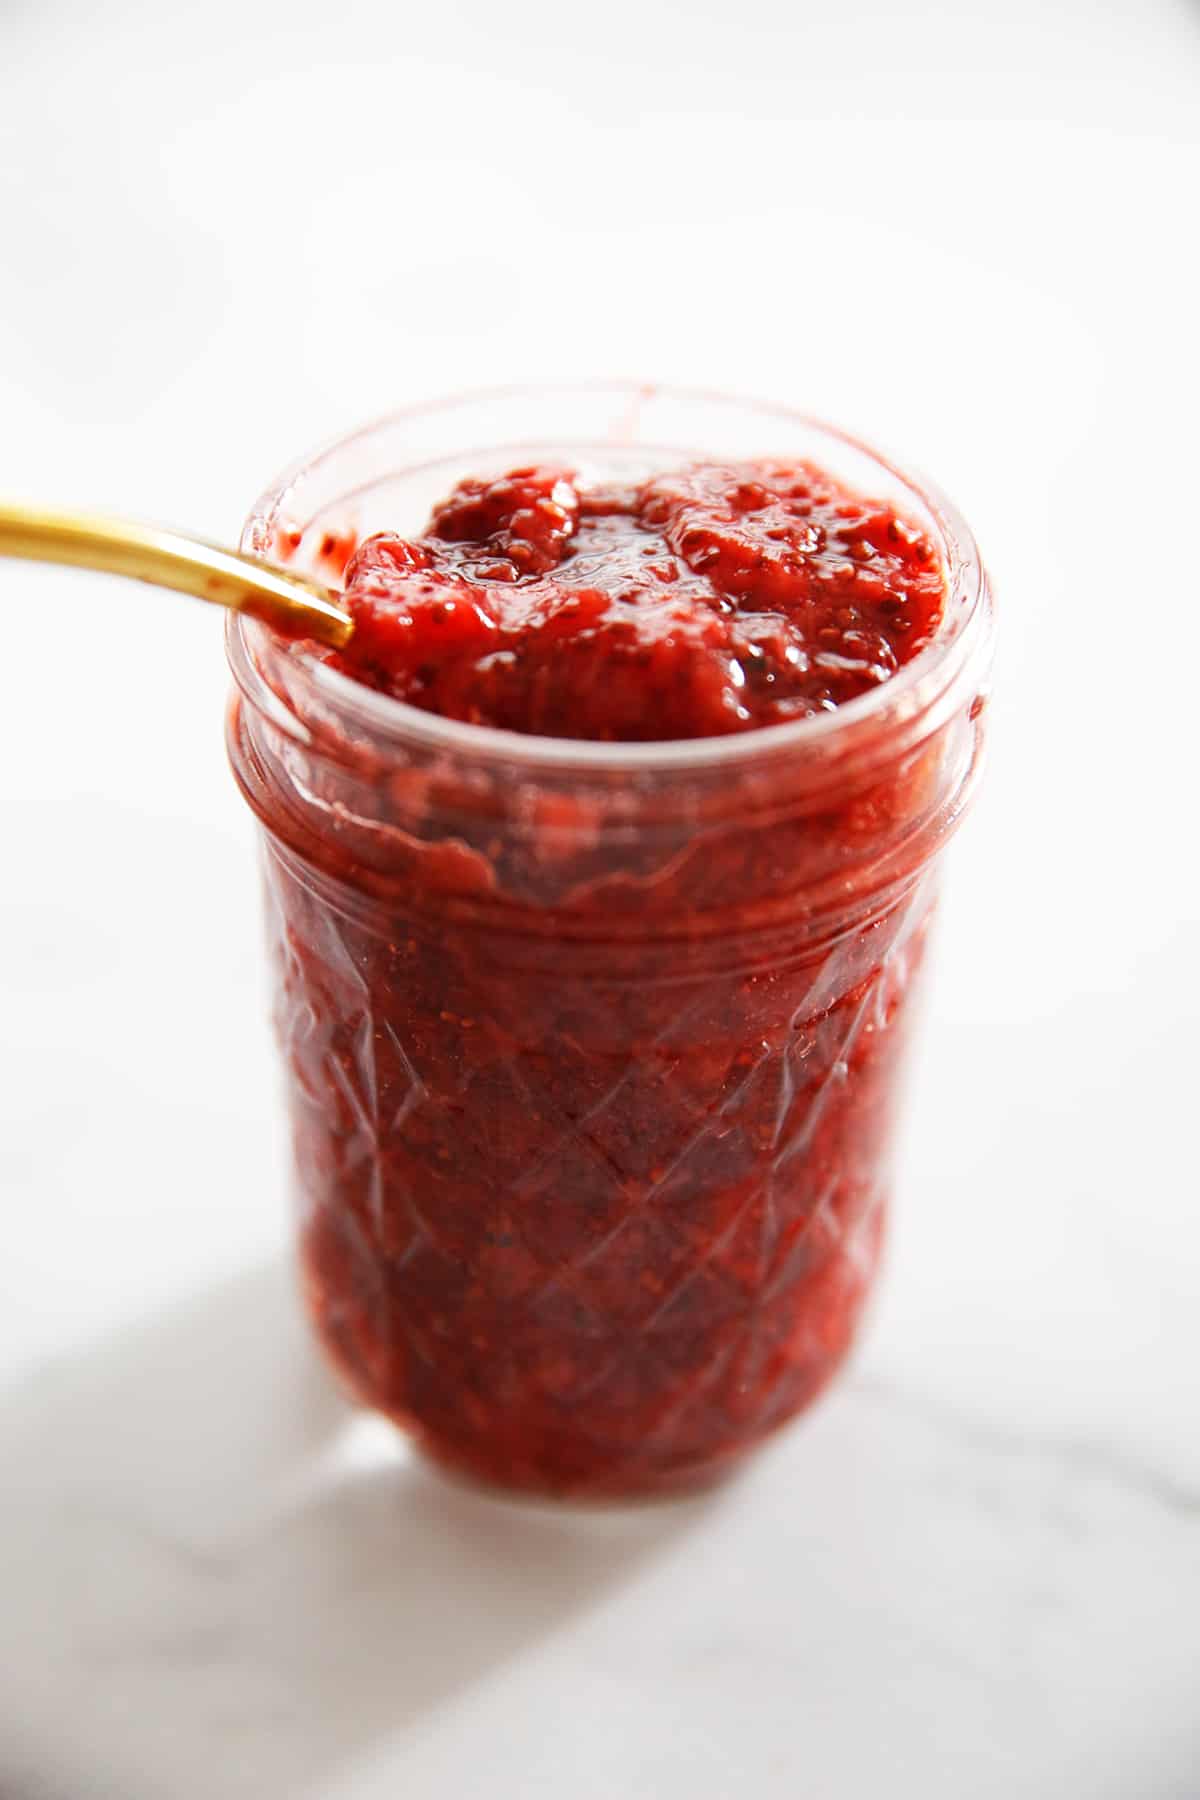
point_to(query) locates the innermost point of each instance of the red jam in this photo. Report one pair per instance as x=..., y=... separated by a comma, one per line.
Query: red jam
x=592, y=1076
x=714, y=599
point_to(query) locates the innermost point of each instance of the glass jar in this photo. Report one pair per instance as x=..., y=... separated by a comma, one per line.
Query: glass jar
x=592, y=1049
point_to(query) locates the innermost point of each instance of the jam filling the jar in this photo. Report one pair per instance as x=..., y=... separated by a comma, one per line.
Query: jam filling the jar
x=592, y=1066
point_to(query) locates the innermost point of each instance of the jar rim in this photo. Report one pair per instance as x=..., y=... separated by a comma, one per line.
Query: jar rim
x=911, y=703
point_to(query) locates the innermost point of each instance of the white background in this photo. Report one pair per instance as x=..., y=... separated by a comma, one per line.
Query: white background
x=968, y=230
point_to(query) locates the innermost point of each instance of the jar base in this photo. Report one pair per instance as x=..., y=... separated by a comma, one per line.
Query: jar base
x=580, y=1474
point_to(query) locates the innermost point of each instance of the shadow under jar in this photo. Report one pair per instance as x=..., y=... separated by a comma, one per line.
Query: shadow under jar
x=592, y=1049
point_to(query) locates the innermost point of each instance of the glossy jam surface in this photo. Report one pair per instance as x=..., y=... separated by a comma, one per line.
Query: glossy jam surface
x=591, y=1080
x=712, y=599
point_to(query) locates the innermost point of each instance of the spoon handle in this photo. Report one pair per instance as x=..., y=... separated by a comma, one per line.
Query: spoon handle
x=291, y=603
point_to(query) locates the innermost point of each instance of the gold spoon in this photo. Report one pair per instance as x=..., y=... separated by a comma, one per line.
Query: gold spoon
x=291, y=603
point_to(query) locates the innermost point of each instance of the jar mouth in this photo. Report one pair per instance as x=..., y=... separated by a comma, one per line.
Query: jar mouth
x=908, y=705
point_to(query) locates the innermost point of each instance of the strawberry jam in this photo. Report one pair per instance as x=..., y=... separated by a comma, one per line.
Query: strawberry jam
x=711, y=600
x=592, y=1047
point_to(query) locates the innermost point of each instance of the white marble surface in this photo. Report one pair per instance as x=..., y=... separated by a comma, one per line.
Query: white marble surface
x=966, y=229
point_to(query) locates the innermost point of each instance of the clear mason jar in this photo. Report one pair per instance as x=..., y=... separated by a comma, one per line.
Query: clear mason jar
x=592, y=1050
